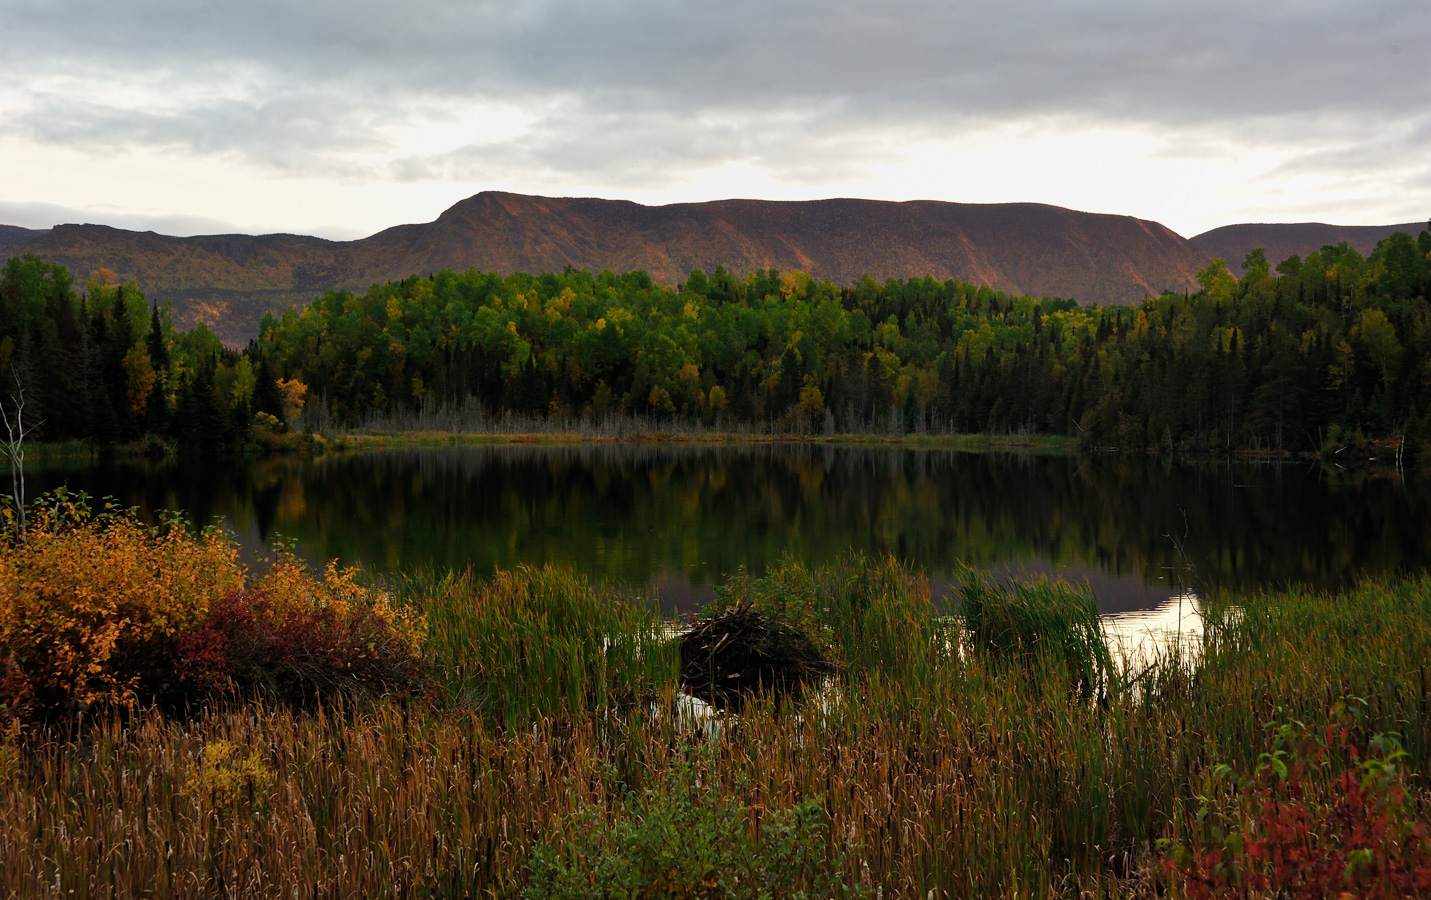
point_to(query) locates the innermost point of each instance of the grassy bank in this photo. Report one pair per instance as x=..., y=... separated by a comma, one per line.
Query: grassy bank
x=346, y=442
x=1383, y=456
x=1041, y=444
x=1000, y=755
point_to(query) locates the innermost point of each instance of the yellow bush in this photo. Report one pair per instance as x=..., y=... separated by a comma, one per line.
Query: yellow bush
x=226, y=776
x=83, y=597
x=100, y=609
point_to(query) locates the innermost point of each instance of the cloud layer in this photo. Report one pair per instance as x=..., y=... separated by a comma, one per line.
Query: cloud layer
x=653, y=98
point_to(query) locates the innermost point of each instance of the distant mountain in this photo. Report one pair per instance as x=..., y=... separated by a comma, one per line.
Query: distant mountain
x=1020, y=247
x=1232, y=243
x=229, y=281
x=13, y=237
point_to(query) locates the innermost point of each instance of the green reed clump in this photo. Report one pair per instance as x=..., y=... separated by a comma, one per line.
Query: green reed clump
x=1041, y=618
x=530, y=642
x=863, y=613
x=882, y=617
x=1294, y=653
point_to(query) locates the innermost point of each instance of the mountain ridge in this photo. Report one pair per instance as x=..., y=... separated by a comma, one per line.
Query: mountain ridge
x=1232, y=243
x=230, y=280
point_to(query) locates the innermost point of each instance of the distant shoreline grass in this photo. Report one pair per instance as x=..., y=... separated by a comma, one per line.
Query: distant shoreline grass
x=319, y=443
x=346, y=442
x=1040, y=444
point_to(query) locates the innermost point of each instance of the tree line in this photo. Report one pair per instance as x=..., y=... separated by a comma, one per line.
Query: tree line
x=98, y=363
x=1292, y=358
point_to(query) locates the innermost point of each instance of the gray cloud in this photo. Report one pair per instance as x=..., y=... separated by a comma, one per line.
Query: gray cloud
x=290, y=133
x=48, y=215
x=643, y=90
x=1202, y=57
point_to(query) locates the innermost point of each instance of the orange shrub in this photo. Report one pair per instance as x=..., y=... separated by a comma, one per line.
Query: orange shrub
x=101, y=609
x=87, y=600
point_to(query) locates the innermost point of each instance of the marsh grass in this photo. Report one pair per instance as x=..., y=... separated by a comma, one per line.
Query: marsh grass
x=536, y=642
x=1039, y=621
x=964, y=774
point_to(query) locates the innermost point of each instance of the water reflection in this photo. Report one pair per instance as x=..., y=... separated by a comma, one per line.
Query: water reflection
x=1142, y=637
x=682, y=518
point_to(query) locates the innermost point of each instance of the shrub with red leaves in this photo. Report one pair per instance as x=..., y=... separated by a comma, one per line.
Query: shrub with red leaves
x=252, y=640
x=1324, y=817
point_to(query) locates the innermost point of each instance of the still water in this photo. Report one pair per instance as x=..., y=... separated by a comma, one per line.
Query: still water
x=1141, y=532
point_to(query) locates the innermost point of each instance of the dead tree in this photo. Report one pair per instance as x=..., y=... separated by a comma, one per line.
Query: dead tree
x=13, y=444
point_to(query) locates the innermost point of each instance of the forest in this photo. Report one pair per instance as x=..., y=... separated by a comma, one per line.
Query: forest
x=1324, y=350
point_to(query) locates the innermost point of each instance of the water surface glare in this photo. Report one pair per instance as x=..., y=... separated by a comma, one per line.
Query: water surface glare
x=682, y=518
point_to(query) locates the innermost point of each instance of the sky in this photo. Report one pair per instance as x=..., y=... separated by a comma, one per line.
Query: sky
x=343, y=118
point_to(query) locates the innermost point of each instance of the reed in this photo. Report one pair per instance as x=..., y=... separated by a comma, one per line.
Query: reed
x=537, y=642
x=1042, y=620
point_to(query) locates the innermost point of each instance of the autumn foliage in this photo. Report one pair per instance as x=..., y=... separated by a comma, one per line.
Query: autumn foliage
x=1325, y=816
x=293, y=636
x=98, y=609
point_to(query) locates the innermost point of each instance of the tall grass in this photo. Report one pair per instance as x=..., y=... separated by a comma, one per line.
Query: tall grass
x=1041, y=621
x=962, y=774
x=537, y=642
x=867, y=614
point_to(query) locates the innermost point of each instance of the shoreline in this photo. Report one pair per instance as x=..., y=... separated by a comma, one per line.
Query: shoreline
x=318, y=444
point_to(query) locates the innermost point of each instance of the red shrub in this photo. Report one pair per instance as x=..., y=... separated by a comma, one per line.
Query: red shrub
x=253, y=639
x=1324, y=817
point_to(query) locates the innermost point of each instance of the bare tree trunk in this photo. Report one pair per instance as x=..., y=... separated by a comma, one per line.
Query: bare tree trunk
x=13, y=446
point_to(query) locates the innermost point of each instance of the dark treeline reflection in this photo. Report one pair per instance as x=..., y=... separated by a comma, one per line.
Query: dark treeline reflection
x=684, y=517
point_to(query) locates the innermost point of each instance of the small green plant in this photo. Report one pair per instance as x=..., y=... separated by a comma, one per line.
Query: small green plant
x=690, y=837
x=862, y=613
x=789, y=599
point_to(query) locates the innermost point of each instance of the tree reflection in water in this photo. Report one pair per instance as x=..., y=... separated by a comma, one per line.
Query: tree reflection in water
x=682, y=517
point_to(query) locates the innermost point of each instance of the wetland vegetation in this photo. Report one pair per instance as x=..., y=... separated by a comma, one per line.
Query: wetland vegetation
x=544, y=746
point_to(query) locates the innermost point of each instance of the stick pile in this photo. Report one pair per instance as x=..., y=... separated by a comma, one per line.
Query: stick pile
x=741, y=651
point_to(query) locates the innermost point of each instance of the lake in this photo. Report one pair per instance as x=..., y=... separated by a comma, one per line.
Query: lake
x=681, y=518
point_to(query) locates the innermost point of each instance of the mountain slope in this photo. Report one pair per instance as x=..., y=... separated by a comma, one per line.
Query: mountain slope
x=1232, y=243
x=1024, y=247
x=13, y=237
x=230, y=280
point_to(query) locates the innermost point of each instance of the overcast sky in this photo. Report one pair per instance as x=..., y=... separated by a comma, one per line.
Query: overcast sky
x=342, y=118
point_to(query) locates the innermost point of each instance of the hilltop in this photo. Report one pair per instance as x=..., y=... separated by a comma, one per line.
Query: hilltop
x=1232, y=243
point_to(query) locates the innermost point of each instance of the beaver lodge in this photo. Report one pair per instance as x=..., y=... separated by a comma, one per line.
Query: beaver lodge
x=741, y=652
